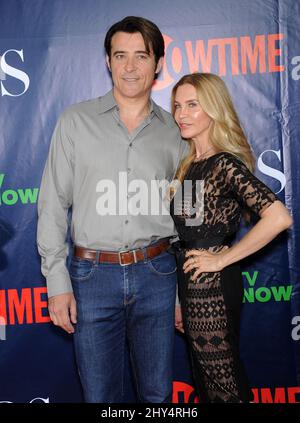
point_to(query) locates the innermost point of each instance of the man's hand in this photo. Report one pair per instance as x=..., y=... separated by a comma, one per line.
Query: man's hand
x=178, y=319
x=62, y=310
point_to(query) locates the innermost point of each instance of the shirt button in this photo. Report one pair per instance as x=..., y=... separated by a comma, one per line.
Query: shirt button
x=126, y=221
x=130, y=145
x=126, y=246
x=128, y=170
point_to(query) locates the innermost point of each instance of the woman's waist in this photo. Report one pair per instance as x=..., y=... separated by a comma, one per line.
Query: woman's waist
x=213, y=241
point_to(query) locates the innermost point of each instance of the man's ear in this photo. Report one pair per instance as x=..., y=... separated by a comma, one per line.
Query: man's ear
x=107, y=59
x=159, y=65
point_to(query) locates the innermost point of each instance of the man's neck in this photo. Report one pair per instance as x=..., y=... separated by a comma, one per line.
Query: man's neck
x=132, y=110
x=132, y=106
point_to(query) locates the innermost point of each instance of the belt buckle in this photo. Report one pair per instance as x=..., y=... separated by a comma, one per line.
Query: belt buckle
x=127, y=251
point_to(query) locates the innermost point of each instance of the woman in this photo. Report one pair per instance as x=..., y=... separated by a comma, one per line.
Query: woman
x=206, y=217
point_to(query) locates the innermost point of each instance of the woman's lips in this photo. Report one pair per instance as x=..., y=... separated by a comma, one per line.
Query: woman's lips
x=184, y=125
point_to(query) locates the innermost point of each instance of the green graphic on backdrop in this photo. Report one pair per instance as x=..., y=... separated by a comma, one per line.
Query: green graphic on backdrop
x=10, y=197
x=263, y=294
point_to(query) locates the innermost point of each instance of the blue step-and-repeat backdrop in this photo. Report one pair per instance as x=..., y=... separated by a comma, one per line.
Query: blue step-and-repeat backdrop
x=51, y=56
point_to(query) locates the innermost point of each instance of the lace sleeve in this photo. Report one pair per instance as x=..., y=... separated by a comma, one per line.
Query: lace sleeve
x=247, y=188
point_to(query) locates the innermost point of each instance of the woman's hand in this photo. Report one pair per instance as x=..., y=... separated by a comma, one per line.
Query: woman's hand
x=203, y=261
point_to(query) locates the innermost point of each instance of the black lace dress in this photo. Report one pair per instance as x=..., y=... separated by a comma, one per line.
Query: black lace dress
x=211, y=305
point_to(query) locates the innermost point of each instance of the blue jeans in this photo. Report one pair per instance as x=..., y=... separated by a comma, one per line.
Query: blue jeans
x=115, y=303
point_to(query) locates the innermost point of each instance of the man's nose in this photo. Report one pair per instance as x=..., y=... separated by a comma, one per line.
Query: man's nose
x=130, y=64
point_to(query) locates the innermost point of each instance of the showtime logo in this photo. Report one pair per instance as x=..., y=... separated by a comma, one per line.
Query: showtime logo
x=185, y=393
x=234, y=55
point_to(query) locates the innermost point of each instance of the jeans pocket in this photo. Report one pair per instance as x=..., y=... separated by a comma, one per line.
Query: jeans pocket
x=80, y=269
x=164, y=264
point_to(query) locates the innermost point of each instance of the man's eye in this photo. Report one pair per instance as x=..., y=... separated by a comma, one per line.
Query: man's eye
x=119, y=56
x=142, y=57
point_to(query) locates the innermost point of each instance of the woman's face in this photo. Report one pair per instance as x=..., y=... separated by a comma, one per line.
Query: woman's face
x=189, y=115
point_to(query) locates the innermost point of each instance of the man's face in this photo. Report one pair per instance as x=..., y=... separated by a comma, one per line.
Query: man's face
x=132, y=68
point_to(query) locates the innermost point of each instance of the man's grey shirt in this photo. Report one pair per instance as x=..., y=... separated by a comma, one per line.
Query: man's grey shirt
x=90, y=149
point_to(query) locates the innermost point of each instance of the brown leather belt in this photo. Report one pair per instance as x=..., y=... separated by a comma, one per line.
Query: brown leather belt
x=123, y=258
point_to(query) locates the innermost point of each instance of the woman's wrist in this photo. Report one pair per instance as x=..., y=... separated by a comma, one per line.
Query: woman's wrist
x=224, y=258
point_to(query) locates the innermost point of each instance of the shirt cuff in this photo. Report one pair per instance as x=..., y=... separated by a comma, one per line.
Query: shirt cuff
x=59, y=284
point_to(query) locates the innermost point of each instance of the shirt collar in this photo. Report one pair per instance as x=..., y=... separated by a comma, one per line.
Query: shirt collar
x=108, y=102
x=156, y=110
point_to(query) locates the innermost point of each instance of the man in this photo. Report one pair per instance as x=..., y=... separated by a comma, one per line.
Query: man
x=121, y=280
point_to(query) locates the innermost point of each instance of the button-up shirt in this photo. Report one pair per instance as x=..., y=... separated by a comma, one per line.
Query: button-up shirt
x=108, y=176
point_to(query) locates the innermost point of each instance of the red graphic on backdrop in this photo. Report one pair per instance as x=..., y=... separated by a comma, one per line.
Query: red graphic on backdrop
x=24, y=306
x=233, y=56
x=185, y=393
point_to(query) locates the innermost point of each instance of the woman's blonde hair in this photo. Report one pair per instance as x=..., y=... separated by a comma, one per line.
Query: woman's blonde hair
x=226, y=133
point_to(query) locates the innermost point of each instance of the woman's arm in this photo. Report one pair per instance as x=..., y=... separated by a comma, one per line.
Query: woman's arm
x=274, y=220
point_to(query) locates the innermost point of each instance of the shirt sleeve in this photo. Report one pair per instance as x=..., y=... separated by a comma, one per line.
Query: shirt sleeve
x=55, y=198
x=247, y=188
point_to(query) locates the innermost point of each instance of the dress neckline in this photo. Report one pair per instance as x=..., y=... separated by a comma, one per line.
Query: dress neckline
x=207, y=158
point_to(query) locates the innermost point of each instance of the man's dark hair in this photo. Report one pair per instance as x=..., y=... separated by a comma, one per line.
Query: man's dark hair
x=132, y=24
